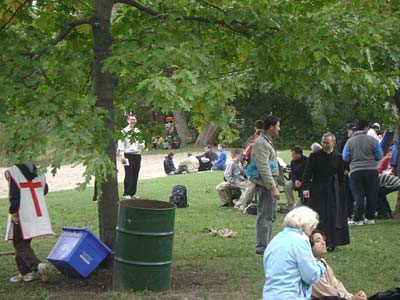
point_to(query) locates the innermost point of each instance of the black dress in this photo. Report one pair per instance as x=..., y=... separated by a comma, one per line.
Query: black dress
x=324, y=178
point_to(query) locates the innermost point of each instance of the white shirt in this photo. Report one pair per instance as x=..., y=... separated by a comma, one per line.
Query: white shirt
x=129, y=144
x=372, y=133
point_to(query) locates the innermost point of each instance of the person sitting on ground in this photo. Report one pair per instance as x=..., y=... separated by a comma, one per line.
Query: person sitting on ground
x=233, y=176
x=388, y=183
x=221, y=160
x=384, y=166
x=328, y=285
x=205, y=162
x=176, y=143
x=169, y=166
x=289, y=265
x=188, y=165
x=244, y=202
x=297, y=166
x=160, y=142
x=213, y=155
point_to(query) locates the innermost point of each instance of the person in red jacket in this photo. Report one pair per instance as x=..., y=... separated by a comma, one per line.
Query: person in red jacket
x=384, y=166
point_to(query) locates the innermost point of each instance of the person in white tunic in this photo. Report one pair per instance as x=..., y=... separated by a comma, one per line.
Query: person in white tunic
x=28, y=218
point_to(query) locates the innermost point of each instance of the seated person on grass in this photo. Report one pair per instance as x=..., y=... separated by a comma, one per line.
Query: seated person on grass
x=169, y=166
x=188, y=165
x=221, y=160
x=328, y=285
x=388, y=183
x=233, y=176
x=205, y=162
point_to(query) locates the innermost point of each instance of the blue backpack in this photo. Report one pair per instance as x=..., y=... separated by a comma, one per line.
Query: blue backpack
x=252, y=172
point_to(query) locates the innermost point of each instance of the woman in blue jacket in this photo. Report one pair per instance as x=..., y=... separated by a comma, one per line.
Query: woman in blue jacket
x=289, y=265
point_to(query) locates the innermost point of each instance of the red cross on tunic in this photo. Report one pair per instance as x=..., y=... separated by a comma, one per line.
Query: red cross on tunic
x=32, y=185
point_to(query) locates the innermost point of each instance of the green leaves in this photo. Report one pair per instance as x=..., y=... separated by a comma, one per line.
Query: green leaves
x=315, y=51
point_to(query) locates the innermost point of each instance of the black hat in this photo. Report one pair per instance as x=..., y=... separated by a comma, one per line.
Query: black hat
x=351, y=126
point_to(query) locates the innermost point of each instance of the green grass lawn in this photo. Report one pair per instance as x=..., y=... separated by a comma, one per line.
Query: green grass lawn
x=204, y=267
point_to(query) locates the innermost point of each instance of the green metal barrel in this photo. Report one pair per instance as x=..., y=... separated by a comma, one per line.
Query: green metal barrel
x=143, y=251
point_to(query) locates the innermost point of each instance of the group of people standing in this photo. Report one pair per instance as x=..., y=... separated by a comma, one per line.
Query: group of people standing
x=327, y=205
x=293, y=260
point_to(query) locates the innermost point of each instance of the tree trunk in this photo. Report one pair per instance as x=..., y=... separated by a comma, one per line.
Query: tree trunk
x=182, y=127
x=104, y=85
x=208, y=136
x=397, y=103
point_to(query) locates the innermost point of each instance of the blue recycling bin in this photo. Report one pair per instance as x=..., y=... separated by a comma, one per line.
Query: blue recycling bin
x=78, y=252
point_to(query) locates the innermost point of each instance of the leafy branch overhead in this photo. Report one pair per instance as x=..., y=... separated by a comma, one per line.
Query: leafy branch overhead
x=196, y=57
x=69, y=68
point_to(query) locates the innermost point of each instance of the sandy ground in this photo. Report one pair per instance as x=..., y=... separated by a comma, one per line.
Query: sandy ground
x=68, y=177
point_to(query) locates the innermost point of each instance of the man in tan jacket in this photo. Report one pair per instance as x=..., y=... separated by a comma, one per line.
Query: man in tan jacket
x=188, y=165
x=265, y=158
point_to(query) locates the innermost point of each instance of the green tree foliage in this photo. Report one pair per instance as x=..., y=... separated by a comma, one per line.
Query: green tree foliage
x=65, y=66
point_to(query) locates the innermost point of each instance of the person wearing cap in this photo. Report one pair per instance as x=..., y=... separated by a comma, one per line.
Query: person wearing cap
x=373, y=131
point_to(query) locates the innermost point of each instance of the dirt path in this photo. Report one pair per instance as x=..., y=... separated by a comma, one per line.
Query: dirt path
x=68, y=177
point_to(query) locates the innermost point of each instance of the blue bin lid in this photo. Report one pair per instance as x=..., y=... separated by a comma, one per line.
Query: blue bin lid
x=89, y=232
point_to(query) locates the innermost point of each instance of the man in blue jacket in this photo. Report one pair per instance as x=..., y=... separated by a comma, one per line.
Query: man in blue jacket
x=363, y=152
x=221, y=161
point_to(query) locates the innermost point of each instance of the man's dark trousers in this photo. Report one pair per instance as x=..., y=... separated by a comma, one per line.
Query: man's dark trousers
x=364, y=184
x=132, y=173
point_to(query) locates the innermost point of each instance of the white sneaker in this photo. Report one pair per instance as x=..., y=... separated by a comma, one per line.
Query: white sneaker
x=31, y=276
x=184, y=172
x=126, y=197
x=17, y=278
x=369, y=222
x=43, y=270
x=358, y=223
x=135, y=197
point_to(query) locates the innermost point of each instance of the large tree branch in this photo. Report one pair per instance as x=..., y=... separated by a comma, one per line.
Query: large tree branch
x=14, y=15
x=64, y=32
x=68, y=27
x=237, y=26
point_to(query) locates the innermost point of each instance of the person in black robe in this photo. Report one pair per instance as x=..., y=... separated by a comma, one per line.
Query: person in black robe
x=323, y=181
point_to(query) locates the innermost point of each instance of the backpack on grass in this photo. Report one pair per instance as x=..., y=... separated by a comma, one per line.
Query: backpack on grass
x=179, y=196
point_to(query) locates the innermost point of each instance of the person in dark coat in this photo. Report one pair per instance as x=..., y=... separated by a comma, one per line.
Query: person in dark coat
x=169, y=166
x=297, y=166
x=323, y=181
x=351, y=128
x=205, y=162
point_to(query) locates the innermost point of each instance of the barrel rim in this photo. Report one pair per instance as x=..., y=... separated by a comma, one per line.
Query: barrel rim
x=147, y=204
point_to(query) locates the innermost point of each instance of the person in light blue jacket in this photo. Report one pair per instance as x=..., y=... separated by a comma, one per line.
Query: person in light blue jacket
x=289, y=265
